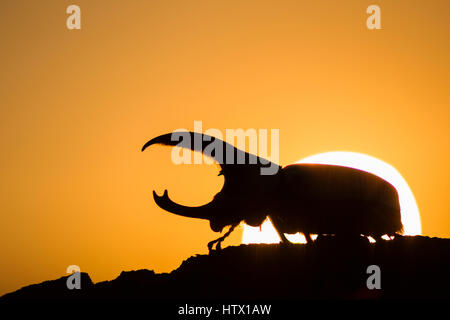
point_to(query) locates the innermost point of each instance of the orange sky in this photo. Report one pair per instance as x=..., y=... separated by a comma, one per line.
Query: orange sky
x=76, y=106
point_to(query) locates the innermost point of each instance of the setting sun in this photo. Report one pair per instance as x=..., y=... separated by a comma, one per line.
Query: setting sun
x=84, y=84
x=409, y=210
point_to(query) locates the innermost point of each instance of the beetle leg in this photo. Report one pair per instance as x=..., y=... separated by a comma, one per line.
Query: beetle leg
x=210, y=245
x=307, y=237
x=283, y=238
x=221, y=239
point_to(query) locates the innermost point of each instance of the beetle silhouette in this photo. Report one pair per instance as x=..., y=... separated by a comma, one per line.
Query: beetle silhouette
x=307, y=198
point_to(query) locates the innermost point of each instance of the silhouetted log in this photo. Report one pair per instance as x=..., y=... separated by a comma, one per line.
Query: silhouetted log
x=411, y=267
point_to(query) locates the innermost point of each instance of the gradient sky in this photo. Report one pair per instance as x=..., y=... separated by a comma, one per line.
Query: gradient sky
x=76, y=106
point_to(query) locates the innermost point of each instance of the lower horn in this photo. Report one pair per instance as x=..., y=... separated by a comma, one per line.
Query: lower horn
x=164, y=202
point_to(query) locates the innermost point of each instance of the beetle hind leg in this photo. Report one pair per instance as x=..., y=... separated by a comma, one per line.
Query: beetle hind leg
x=308, y=237
x=283, y=238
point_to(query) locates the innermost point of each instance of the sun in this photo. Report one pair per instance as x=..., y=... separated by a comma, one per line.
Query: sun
x=408, y=206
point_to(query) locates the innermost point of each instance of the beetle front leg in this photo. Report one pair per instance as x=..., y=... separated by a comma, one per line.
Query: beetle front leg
x=210, y=245
x=221, y=239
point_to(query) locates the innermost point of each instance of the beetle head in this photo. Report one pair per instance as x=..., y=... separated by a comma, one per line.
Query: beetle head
x=245, y=194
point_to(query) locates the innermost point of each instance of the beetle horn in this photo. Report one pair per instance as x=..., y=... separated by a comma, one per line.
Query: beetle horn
x=196, y=142
x=240, y=169
x=164, y=202
x=223, y=153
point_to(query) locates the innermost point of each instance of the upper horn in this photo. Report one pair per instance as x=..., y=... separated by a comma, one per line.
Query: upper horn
x=198, y=142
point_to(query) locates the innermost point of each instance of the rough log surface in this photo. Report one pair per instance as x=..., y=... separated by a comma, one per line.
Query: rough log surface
x=411, y=267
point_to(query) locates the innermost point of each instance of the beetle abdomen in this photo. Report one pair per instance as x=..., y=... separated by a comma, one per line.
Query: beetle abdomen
x=328, y=199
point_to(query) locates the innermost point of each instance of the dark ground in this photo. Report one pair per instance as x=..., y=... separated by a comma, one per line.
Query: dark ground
x=411, y=268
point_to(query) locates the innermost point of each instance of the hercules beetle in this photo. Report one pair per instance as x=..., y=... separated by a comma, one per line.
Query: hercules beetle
x=307, y=198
